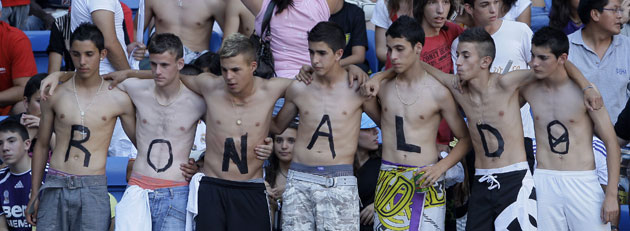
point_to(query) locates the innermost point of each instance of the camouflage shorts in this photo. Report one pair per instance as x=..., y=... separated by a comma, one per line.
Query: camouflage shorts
x=309, y=206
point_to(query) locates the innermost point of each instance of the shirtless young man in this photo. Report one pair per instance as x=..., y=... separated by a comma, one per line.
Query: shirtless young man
x=567, y=189
x=238, y=116
x=191, y=20
x=502, y=193
x=321, y=191
x=164, y=134
x=82, y=114
x=412, y=108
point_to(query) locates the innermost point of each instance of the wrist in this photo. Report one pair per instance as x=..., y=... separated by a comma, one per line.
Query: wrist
x=588, y=87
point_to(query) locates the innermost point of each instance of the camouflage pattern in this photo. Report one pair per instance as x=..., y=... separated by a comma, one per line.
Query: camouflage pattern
x=309, y=206
x=400, y=203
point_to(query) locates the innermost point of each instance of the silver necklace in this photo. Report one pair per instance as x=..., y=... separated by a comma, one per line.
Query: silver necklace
x=81, y=111
x=401, y=99
x=172, y=101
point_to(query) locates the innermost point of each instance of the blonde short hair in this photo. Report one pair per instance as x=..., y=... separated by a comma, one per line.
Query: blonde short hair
x=236, y=44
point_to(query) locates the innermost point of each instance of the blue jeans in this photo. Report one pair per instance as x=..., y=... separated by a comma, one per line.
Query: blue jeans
x=168, y=208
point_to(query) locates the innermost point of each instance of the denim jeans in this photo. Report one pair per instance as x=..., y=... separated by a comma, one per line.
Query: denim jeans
x=168, y=208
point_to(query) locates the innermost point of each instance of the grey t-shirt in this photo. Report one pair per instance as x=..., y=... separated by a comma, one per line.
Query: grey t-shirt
x=611, y=74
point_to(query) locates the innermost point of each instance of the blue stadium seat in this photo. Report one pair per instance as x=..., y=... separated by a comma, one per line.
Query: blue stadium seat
x=132, y=4
x=624, y=222
x=215, y=42
x=370, y=54
x=116, y=171
x=39, y=42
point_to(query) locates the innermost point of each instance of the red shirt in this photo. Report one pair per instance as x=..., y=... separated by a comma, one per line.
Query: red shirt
x=8, y=3
x=16, y=58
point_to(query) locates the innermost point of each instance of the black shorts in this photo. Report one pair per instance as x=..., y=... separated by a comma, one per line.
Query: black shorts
x=231, y=205
x=512, y=206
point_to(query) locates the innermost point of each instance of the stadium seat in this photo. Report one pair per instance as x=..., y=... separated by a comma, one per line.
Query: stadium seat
x=370, y=54
x=116, y=171
x=132, y=4
x=215, y=41
x=39, y=42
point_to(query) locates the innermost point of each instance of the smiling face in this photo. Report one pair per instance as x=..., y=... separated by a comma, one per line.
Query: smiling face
x=237, y=72
x=86, y=58
x=165, y=68
x=402, y=54
x=283, y=144
x=435, y=13
x=368, y=139
x=14, y=149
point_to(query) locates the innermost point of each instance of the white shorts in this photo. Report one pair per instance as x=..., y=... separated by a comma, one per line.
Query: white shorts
x=569, y=200
x=599, y=150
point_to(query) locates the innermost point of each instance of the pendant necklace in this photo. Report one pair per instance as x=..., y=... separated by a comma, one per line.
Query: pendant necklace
x=238, y=114
x=81, y=111
x=172, y=100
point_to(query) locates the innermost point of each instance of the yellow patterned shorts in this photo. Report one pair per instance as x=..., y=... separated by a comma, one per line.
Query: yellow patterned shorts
x=400, y=203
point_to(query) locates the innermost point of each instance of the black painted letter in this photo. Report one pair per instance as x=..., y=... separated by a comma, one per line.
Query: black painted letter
x=78, y=143
x=229, y=152
x=496, y=134
x=555, y=141
x=170, y=155
x=401, y=143
x=317, y=133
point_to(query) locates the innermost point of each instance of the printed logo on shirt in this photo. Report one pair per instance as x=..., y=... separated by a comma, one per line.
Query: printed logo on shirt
x=621, y=71
x=6, y=197
x=15, y=211
x=3, y=70
x=19, y=185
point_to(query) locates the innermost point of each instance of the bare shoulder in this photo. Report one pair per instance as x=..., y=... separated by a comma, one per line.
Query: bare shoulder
x=216, y=6
x=439, y=91
x=135, y=83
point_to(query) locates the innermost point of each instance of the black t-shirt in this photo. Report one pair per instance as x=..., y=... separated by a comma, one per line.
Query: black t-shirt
x=352, y=19
x=622, y=127
x=367, y=176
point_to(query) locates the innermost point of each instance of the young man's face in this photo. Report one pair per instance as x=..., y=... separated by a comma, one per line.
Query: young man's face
x=86, y=58
x=544, y=63
x=13, y=147
x=484, y=12
x=610, y=17
x=237, y=72
x=435, y=13
x=469, y=61
x=165, y=68
x=402, y=53
x=32, y=106
x=323, y=58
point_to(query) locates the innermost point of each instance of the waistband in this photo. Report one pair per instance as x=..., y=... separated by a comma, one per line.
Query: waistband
x=73, y=182
x=152, y=183
x=52, y=171
x=326, y=170
x=256, y=183
x=322, y=180
x=510, y=168
x=549, y=172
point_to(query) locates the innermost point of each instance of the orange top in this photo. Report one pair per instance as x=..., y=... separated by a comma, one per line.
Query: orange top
x=146, y=182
